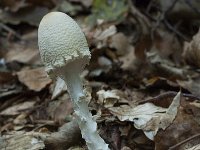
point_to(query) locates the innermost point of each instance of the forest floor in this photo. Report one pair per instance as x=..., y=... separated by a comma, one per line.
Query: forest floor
x=142, y=83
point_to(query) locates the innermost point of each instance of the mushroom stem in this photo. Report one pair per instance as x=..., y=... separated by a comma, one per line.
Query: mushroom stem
x=87, y=124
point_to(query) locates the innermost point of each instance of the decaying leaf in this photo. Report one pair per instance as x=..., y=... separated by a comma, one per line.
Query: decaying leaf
x=31, y=16
x=27, y=56
x=60, y=87
x=192, y=85
x=196, y=147
x=101, y=35
x=60, y=108
x=180, y=134
x=21, y=140
x=34, y=79
x=6, y=77
x=14, y=5
x=129, y=60
x=148, y=117
x=164, y=67
x=20, y=119
x=120, y=42
x=191, y=52
x=171, y=112
x=110, y=97
x=15, y=109
x=104, y=66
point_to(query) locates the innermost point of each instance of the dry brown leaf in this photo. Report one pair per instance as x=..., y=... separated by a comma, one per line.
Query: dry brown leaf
x=15, y=109
x=167, y=46
x=192, y=85
x=120, y=42
x=148, y=117
x=6, y=77
x=191, y=52
x=164, y=67
x=60, y=108
x=129, y=60
x=110, y=97
x=196, y=147
x=27, y=56
x=34, y=79
x=13, y=5
x=183, y=127
x=21, y=141
x=104, y=65
x=29, y=15
x=20, y=119
x=101, y=35
x=60, y=87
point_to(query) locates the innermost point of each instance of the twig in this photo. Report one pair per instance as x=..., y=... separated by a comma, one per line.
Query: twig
x=136, y=12
x=164, y=20
x=188, y=2
x=169, y=26
x=167, y=95
x=184, y=141
x=9, y=30
x=162, y=17
x=143, y=22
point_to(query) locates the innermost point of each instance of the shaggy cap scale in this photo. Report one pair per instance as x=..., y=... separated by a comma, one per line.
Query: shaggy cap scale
x=61, y=41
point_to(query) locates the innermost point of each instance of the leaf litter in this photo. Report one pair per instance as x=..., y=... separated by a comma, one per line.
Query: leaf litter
x=142, y=55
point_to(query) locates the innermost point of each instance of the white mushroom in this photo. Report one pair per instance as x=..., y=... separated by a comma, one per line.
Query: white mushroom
x=64, y=51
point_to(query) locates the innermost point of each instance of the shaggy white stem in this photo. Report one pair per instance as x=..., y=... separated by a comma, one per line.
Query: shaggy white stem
x=87, y=124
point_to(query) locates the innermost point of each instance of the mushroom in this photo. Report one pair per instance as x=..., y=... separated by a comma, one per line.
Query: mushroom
x=64, y=52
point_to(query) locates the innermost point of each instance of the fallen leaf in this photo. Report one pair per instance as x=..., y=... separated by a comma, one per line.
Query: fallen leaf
x=196, y=147
x=148, y=117
x=60, y=87
x=15, y=109
x=104, y=65
x=191, y=52
x=129, y=60
x=171, y=112
x=13, y=5
x=183, y=127
x=27, y=56
x=6, y=77
x=28, y=15
x=101, y=35
x=192, y=85
x=164, y=67
x=20, y=140
x=120, y=42
x=110, y=97
x=21, y=119
x=140, y=114
x=34, y=79
x=60, y=108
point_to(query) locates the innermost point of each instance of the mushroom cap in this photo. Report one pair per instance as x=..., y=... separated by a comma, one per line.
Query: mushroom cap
x=61, y=42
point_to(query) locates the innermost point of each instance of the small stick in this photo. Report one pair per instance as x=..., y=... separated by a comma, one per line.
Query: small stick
x=8, y=29
x=184, y=141
x=167, y=95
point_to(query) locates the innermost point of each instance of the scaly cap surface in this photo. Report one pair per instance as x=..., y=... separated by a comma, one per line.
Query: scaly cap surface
x=61, y=41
